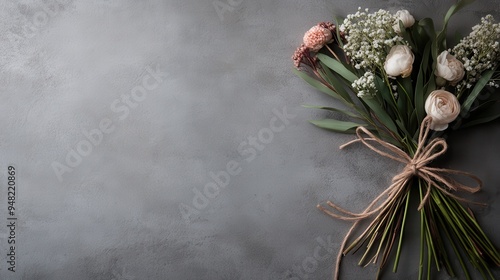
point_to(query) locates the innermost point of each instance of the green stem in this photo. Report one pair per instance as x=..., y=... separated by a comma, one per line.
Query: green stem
x=453, y=245
x=422, y=236
x=398, y=252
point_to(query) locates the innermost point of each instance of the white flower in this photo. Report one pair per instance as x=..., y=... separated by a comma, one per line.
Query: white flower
x=479, y=51
x=449, y=68
x=368, y=36
x=443, y=107
x=399, y=61
x=405, y=17
x=365, y=85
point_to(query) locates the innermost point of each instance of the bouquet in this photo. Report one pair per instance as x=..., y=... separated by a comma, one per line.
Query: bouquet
x=399, y=87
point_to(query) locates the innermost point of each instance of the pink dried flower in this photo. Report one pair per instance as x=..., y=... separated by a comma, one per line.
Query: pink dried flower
x=302, y=56
x=298, y=55
x=317, y=37
x=328, y=25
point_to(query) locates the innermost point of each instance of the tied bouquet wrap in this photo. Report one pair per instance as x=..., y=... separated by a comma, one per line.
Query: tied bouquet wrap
x=399, y=87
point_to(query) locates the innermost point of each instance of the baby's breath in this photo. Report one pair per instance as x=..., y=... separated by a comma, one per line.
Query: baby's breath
x=479, y=51
x=370, y=37
x=365, y=85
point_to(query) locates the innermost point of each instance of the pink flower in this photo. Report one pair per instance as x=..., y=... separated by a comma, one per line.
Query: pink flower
x=298, y=55
x=303, y=57
x=317, y=37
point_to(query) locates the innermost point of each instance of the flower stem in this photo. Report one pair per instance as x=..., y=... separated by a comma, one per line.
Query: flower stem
x=422, y=237
x=398, y=252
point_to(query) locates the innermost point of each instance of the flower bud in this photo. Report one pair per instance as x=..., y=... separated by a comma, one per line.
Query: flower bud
x=405, y=17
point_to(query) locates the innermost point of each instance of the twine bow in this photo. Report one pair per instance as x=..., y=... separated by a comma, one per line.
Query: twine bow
x=414, y=167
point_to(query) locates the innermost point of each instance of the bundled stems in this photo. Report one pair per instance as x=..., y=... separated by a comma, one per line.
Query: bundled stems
x=446, y=223
x=442, y=216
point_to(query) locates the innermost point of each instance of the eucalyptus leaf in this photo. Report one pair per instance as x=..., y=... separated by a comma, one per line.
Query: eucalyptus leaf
x=337, y=84
x=336, y=125
x=381, y=114
x=326, y=75
x=337, y=67
x=315, y=83
x=347, y=113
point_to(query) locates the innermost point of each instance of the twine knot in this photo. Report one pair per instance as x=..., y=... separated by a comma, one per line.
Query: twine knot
x=418, y=166
x=413, y=168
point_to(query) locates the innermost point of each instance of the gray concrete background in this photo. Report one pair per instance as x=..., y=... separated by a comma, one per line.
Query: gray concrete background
x=205, y=83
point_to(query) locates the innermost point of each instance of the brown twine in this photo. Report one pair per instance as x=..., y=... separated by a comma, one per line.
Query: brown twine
x=416, y=166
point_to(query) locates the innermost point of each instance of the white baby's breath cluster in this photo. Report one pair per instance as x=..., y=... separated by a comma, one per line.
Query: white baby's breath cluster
x=365, y=85
x=369, y=37
x=479, y=51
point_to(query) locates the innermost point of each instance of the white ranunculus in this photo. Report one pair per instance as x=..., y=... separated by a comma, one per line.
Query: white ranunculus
x=399, y=61
x=443, y=107
x=449, y=68
x=405, y=17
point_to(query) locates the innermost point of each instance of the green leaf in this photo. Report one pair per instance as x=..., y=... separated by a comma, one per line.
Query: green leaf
x=401, y=231
x=337, y=67
x=441, y=38
x=402, y=106
x=403, y=129
x=336, y=125
x=419, y=86
x=408, y=86
x=380, y=113
x=406, y=36
x=420, y=36
x=317, y=84
x=486, y=76
x=337, y=84
x=406, y=89
x=384, y=93
x=455, y=8
x=347, y=113
x=338, y=21
x=428, y=25
x=430, y=86
x=413, y=122
x=425, y=59
x=490, y=114
x=419, y=98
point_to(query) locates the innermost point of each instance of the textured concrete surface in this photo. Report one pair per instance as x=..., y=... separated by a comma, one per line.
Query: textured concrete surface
x=120, y=117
